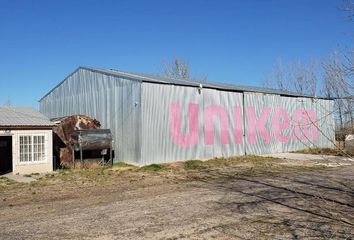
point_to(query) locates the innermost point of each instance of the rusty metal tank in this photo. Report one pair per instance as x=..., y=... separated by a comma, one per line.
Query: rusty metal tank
x=63, y=131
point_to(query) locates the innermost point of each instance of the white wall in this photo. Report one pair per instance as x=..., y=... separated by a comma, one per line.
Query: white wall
x=31, y=167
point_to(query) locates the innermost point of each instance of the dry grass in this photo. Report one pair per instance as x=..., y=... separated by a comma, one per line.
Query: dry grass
x=154, y=168
x=328, y=151
x=6, y=183
x=223, y=198
x=193, y=169
x=121, y=166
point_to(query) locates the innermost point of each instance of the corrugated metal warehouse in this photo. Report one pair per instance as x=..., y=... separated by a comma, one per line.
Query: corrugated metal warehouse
x=155, y=119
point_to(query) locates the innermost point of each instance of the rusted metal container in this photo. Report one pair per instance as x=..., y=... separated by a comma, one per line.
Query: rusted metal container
x=93, y=141
x=63, y=131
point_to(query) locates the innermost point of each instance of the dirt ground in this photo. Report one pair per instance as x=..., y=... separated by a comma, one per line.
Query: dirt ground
x=238, y=198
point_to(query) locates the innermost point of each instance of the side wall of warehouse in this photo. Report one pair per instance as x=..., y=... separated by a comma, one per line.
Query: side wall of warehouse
x=180, y=123
x=113, y=101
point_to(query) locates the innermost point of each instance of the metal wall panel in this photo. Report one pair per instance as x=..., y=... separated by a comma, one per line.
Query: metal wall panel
x=292, y=105
x=260, y=102
x=157, y=143
x=308, y=104
x=115, y=102
x=326, y=124
x=323, y=123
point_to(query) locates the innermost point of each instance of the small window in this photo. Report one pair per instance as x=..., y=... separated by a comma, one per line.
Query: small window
x=32, y=149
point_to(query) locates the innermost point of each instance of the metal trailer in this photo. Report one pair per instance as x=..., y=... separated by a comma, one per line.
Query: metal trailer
x=156, y=120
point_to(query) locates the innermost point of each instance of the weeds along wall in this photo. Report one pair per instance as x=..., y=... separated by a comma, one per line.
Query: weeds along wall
x=158, y=122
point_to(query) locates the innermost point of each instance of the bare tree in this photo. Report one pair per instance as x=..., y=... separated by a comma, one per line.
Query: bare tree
x=348, y=6
x=304, y=78
x=8, y=101
x=339, y=86
x=177, y=69
x=335, y=78
x=278, y=78
x=294, y=77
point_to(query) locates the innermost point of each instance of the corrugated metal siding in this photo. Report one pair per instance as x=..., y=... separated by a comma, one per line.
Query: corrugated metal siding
x=115, y=102
x=259, y=102
x=139, y=116
x=306, y=103
x=22, y=116
x=157, y=145
x=290, y=104
x=324, y=123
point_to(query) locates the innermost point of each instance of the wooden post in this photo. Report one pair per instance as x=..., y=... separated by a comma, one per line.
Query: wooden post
x=81, y=159
x=111, y=155
x=73, y=153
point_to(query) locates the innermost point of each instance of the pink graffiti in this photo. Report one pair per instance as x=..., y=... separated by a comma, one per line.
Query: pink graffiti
x=210, y=113
x=178, y=137
x=217, y=117
x=258, y=125
x=304, y=121
x=238, y=133
x=278, y=126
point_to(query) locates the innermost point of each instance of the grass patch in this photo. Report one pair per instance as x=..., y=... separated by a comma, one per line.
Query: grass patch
x=154, y=168
x=246, y=166
x=188, y=170
x=64, y=172
x=6, y=184
x=242, y=160
x=123, y=165
x=195, y=165
x=27, y=175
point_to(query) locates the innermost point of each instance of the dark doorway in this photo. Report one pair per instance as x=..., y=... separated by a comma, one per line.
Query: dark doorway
x=5, y=154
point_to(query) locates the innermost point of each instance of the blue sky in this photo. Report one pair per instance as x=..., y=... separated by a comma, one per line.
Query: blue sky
x=229, y=41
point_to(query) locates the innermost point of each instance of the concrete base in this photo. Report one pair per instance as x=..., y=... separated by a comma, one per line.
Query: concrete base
x=19, y=178
x=302, y=156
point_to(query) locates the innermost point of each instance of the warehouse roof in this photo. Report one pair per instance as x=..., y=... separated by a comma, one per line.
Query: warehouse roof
x=182, y=82
x=11, y=116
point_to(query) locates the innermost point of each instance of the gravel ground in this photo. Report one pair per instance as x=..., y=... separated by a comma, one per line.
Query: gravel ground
x=215, y=203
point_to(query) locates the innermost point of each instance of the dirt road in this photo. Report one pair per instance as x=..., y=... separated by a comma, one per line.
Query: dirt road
x=199, y=203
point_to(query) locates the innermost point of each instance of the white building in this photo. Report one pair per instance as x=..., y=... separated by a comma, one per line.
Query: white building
x=25, y=141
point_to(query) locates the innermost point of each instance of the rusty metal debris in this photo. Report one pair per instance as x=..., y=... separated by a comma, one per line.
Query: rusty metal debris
x=63, y=131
